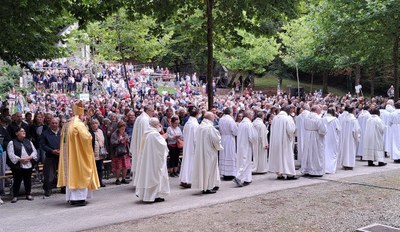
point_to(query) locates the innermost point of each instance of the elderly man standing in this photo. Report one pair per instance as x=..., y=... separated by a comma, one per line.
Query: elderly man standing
x=140, y=127
x=208, y=143
x=189, y=131
x=77, y=166
x=227, y=157
x=152, y=178
x=281, y=158
x=247, y=138
x=313, y=161
x=260, y=149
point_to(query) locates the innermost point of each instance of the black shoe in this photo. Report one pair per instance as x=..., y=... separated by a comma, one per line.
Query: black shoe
x=371, y=163
x=292, y=178
x=62, y=190
x=117, y=182
x=347, y=168
x=124, y=181
x=29, y=197
x=78, y=203
x=14, y=200
x=280, y=177
x=102, y=185
x=159, y=199
x=216, y=188
x=245, y=183
x=237, y=182
x=171, y=175
x=185, y=185
x=381, y=164
x=397, y=161
x=315, y=175
x=228, y=178
x=209, y=191
x=47, y=193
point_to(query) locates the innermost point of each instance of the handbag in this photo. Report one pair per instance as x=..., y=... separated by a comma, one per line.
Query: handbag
x=121, y=150
x=179, y=142
x=103, y=153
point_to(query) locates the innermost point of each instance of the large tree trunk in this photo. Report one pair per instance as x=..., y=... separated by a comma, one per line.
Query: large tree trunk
x=396, y=66
x=210, y=4
x=312, y=82
x=372, y=77
x=325, y=76
x=357, y=73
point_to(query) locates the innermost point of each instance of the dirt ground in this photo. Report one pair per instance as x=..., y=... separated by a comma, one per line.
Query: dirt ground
x=343, y=205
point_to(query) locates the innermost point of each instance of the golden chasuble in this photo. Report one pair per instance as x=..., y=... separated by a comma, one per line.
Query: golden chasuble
x=77, y=166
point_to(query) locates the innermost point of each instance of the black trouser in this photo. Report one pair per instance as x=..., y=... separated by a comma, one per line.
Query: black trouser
x=99, y=166
x=173, y=157
x=50, y=166
x=19, y=175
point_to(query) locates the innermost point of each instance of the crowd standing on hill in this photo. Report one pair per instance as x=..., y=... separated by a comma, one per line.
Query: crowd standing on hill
x=161, y=135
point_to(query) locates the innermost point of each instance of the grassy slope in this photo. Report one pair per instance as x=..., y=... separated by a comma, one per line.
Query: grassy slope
x=271, y=82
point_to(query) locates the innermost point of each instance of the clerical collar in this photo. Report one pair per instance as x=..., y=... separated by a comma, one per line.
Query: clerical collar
x=55, y=132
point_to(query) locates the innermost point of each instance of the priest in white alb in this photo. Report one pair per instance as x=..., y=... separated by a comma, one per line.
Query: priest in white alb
x=313, y=161
x=349, y=139
x=332, y=140
x=189, y=131
x=152, y=178
x=395, y=130
x=373, y=146
x=260, y=148
x=362, y=118
x=140, y=127
x=386, y=116
x=281, y=155
x=208, y=143
x=227, y=157
x=299, y=120
x=246, y=139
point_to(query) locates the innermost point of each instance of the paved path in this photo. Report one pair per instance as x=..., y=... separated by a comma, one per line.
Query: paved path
x=116, y=204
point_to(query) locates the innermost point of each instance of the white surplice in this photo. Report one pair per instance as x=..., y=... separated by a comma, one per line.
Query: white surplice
x=362, y=120
x=140, y=127
x=386, y=115
x=260, y=153
x=227, y=157
x=395, y=135
x=313, y=161
x=373, y=145
x=332, y=140
x=349, y=139
x=208, y=143
x=246, y=139
x=189, y=131
x=152, y=177
x=281, y=155
x=299, y=120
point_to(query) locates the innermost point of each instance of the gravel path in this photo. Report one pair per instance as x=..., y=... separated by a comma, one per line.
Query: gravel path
x=331, y=206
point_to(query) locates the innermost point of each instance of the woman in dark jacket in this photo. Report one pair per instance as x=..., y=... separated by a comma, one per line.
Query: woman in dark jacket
x=20, y=155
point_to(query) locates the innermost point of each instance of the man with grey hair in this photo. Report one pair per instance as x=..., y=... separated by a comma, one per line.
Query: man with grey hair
x=246, y=139
x=207, y=144
x=281, y=158
x=152, y=176
x=140, y=127
x=227, y=157
x=313, y=162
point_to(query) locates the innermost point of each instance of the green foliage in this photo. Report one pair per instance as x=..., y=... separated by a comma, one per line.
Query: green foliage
x=254, y=54
x=117, y=37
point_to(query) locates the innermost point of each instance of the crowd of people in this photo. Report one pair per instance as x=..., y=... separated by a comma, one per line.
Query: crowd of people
x=244, y=133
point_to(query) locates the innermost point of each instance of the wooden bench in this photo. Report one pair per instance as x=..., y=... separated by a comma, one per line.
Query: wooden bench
x=8, y=174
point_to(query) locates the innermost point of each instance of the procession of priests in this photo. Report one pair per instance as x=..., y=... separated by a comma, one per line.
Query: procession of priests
x=290, y=139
